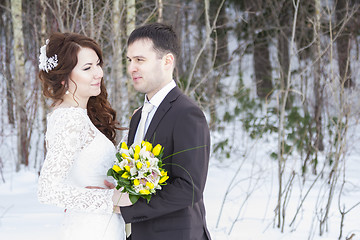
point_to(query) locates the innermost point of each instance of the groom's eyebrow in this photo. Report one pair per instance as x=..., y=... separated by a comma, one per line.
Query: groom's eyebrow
x=138, y=56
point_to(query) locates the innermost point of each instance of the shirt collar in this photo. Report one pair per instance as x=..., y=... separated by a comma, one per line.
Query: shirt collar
x=160, y=95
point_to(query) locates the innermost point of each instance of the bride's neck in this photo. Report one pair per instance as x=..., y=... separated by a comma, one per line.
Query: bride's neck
x=69, y=101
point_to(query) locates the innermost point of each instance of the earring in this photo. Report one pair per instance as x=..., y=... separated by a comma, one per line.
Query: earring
x=67, y=92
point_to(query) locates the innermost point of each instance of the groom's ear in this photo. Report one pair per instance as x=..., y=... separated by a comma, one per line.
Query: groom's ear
x=169, y=61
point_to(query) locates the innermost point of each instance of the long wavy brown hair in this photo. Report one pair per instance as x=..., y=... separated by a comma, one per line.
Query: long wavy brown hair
x=55, y=82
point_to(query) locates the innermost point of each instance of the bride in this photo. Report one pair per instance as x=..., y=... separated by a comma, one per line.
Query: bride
x=80, y=140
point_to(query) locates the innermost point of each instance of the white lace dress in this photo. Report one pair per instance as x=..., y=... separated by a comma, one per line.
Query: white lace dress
x=79, y=155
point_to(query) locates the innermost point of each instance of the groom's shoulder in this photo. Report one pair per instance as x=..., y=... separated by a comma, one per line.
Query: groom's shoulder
x=185, y=104
x=183, y=100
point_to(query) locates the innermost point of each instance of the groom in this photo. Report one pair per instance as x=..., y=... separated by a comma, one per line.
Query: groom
x=177, y=211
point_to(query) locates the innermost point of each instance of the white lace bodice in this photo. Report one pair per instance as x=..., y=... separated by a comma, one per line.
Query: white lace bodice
x=78, y=155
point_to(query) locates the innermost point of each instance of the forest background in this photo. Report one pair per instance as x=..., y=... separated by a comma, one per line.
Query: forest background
x=283, y=71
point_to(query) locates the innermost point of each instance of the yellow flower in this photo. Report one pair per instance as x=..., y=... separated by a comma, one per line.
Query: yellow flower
x=150, y=185
x=137, y=149
x=163, y=179
x=125, y=175
x=136, y=182
x=124, y=156
x=127, y=168
x=163, y=173
x=148, y=146
x=136, y=156
x=139, y=165
x=116, y=168
x=157, y=149
x=144, y=191
x=147, y=164
x=124, y=146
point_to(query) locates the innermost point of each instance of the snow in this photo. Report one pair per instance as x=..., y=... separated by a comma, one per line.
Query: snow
x=251, y=199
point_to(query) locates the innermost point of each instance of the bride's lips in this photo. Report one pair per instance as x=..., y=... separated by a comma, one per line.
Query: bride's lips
x=96, y=84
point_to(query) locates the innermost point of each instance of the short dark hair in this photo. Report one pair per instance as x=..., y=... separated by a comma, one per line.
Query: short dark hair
x=163, y=37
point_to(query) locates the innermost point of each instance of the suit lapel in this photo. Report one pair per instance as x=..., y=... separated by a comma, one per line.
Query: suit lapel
x=165, y=105
x=135, y=119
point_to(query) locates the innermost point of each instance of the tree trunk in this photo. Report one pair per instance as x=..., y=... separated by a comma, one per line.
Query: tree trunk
x=261, y=55
x=21, y=115
x=283, y=43
x=173, y=14
x=117, y=63
x=8, y=76
x=262, y=65
x=90, y=14
x=343, y=45
x=222, y=52
x=44, y=106
x=283, y=47
x=161, y=10
x=130, y=26
x=317, y=78
x=305, y=28
x=283, y=55
x=130, y=16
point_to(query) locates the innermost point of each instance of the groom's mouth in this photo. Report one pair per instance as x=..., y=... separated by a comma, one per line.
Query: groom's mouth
x=135, y=79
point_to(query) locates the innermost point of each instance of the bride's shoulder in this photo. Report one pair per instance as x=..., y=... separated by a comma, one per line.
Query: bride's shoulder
x=67, y=114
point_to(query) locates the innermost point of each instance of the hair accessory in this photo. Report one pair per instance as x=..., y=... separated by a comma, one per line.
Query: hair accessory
x=47, y=64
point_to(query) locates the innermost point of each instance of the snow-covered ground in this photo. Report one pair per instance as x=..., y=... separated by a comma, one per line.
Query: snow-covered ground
x=251, y=200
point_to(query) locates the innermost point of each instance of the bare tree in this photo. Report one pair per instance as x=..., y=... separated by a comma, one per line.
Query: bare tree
x=44, y=105
x=117, y=68
x=280, y=209
x=21, y=112
x=318, y=87
x=343, y=43
x=7, y=63
x=260, y=36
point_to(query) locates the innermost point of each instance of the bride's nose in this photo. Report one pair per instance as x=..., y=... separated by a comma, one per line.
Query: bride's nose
x=99, y=73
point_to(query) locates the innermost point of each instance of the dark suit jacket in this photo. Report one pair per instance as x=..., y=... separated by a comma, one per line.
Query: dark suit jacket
x=177, y=211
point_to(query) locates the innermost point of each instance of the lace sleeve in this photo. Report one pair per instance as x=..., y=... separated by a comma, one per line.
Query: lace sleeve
x=67, y=134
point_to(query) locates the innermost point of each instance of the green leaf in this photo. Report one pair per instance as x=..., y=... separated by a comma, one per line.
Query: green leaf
x=118, y=156
x=133, y=198
x=110, y=172
x=147, y=197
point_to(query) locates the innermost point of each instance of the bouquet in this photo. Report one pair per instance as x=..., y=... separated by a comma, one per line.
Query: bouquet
x=138, y=170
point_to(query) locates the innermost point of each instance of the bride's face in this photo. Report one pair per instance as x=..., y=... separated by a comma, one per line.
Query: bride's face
x=85, y=78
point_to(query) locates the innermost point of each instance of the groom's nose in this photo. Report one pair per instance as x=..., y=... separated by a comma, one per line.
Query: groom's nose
x=132, y=67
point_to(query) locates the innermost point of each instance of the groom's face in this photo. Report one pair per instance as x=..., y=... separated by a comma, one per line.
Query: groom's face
x=145, y=67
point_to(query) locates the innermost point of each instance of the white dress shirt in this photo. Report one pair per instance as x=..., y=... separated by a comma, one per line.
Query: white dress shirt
x=156, y=101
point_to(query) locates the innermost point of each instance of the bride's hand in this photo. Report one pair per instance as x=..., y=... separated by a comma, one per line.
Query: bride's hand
x=108, y=184
x=121, y=199
x=94, y=187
